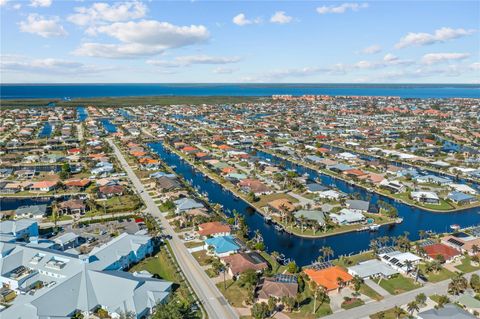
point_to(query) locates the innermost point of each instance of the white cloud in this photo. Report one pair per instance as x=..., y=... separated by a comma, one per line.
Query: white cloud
x=41, y=3
x=241, y=20
x=3, y=2
x=44, y=27
x=194, y=59
x=475, y=66
x=222, y=70
x=48, y=66
x=99, y=13
x=344, y=7
x=281, y=18
x=433, y=58
x=439, y=35
x=143, y=38
x=372, y=49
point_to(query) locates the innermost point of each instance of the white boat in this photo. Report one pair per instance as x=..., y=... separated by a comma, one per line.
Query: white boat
x=374, y=227
x=455, y=227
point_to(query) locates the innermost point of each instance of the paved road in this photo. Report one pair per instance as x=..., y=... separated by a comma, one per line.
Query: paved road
x=80, y=131
x=212, y=299
x=439, y=288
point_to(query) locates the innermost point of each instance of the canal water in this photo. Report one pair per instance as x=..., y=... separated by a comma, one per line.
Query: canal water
x=9, y=203
x=306, y=250
x=82, y=113
x=109, y=127
x=46, y=130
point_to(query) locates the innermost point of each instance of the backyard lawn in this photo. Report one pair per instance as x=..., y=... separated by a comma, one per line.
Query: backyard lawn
x=235, y=294
x=398, y=284
x=369, y=292
x=160, y=264
x=268, y=198
x=202, y=257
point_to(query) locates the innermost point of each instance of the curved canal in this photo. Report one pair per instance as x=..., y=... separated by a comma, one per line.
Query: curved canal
x=305, y=250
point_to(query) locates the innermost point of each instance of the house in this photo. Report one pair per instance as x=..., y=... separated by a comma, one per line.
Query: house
x=339, y=168
x=331, y=194
x=315, y=188
x=110, y=191
x=222, y=245
x=356, y=205
x=21, y=229
x=461, y=198
x=44, y=186
x=77, y=184
x=470, y=303
x=372, y=269
x=463, y=243
x=238, y=263
x=355, y=173
x=279, y=286
x=255, y=186
x=72, y=207
x=447, y=253
x=281, y=205
x=82, y=283
x=402, y=261
x=463, y=188
x=433, y=179
x=347, y=216
x=33, y=211
x=66, y=241
x=393, y=186
x=329, y=277
x=317, y=216
x=213, y=229
x=165, y=183
x=185, y=204
x=425, y=197
x=449, y=311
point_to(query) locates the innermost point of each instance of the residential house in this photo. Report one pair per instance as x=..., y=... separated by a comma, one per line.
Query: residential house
x=214, y=229
x=186, y=204
x=279, y=286
x=347, y=216
x=449, y=311
x=425, y=197
x=329, y=277
x=402, y=261
x=44, y=186
x=461, y=198
x=33, y=211
x=239, y=263
x=438, y=250
x=372, y=269
x=72, y=207
x=222, y=245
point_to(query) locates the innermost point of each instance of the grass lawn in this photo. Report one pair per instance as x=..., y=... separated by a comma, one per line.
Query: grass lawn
x=444, y=205
x=268, y=198
x=354, y=259
x=235, y=294
x=306, y=307
x=388, y=314
x=466, y=265
x=398, y=284
x=353, y=303
x=192, y=244
x=276, y=267
x=201, y=257
x=159, y=264
x=369, y=292
x=120, y=203
x=441, y=275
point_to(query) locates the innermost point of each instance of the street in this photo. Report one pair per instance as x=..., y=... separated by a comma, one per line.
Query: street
x=211, y=298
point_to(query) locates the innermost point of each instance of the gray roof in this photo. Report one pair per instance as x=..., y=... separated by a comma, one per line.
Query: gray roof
x=35, y=210
x=316, y=215
x=65, y=238
x=187, y=204
x=448, y=311
x=372, y=268
x=358, y=204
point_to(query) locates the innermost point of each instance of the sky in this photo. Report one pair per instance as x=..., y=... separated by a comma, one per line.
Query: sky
x=60, y=41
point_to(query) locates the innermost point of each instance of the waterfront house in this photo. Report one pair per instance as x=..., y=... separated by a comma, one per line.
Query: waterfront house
x=213, y=229
x=33, y=211
x=441, y=251
x=461, y=198
x=433, y=179
x=240, y=262
x=72, y=207
x=401, y=261
x=222, y=245
x=331, y=278
x=372, y=269
x=425, y=197
x=356, y=205
x=339, y=168
x=279, y=286
x=44, y=186
x=255, y=186
x=315, y=188
x=316, y=216
x=331, y=194
x=165, y=183
x=347, y=216
x=77, y=184
x=111, y=191
x=463, y=188
x=463, y=242
x=393, y=186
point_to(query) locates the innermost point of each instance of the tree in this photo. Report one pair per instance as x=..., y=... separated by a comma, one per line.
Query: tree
x=289, y=303
x=248, y=278
x=292, y=267
x=412, y=306
x=475, y=282
x=272, y=305
x=169, y=310
x=314, y=288
x=458, y=284
x=326, y=252
x=357, y=283
x=442, y=301
x=260, y=310
x=397, y=312
x=421, y=298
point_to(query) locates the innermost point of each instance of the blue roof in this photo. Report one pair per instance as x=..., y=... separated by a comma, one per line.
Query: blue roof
x=459, y=196
x=223, y=244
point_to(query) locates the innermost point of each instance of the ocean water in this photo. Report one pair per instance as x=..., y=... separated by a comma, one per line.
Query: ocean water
x=60, y=91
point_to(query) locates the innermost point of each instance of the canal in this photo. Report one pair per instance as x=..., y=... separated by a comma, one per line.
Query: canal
x=109, y=126
x=82, y=113
x=306, y=250
x=46, y=131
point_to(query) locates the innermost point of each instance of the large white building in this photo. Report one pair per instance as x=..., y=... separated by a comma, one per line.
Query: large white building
x=66, y=283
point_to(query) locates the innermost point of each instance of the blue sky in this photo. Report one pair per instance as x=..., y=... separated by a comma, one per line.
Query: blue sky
x=240, y=41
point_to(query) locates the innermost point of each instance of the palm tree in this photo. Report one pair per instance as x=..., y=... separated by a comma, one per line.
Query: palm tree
x=458, y=284
x=397, y=312
x=302, y=221
x=314, y=288
x=340, y=283
x=412, y=306
x=357, y=283
x=327, y=252
x=422, y=234
x=442, y=301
